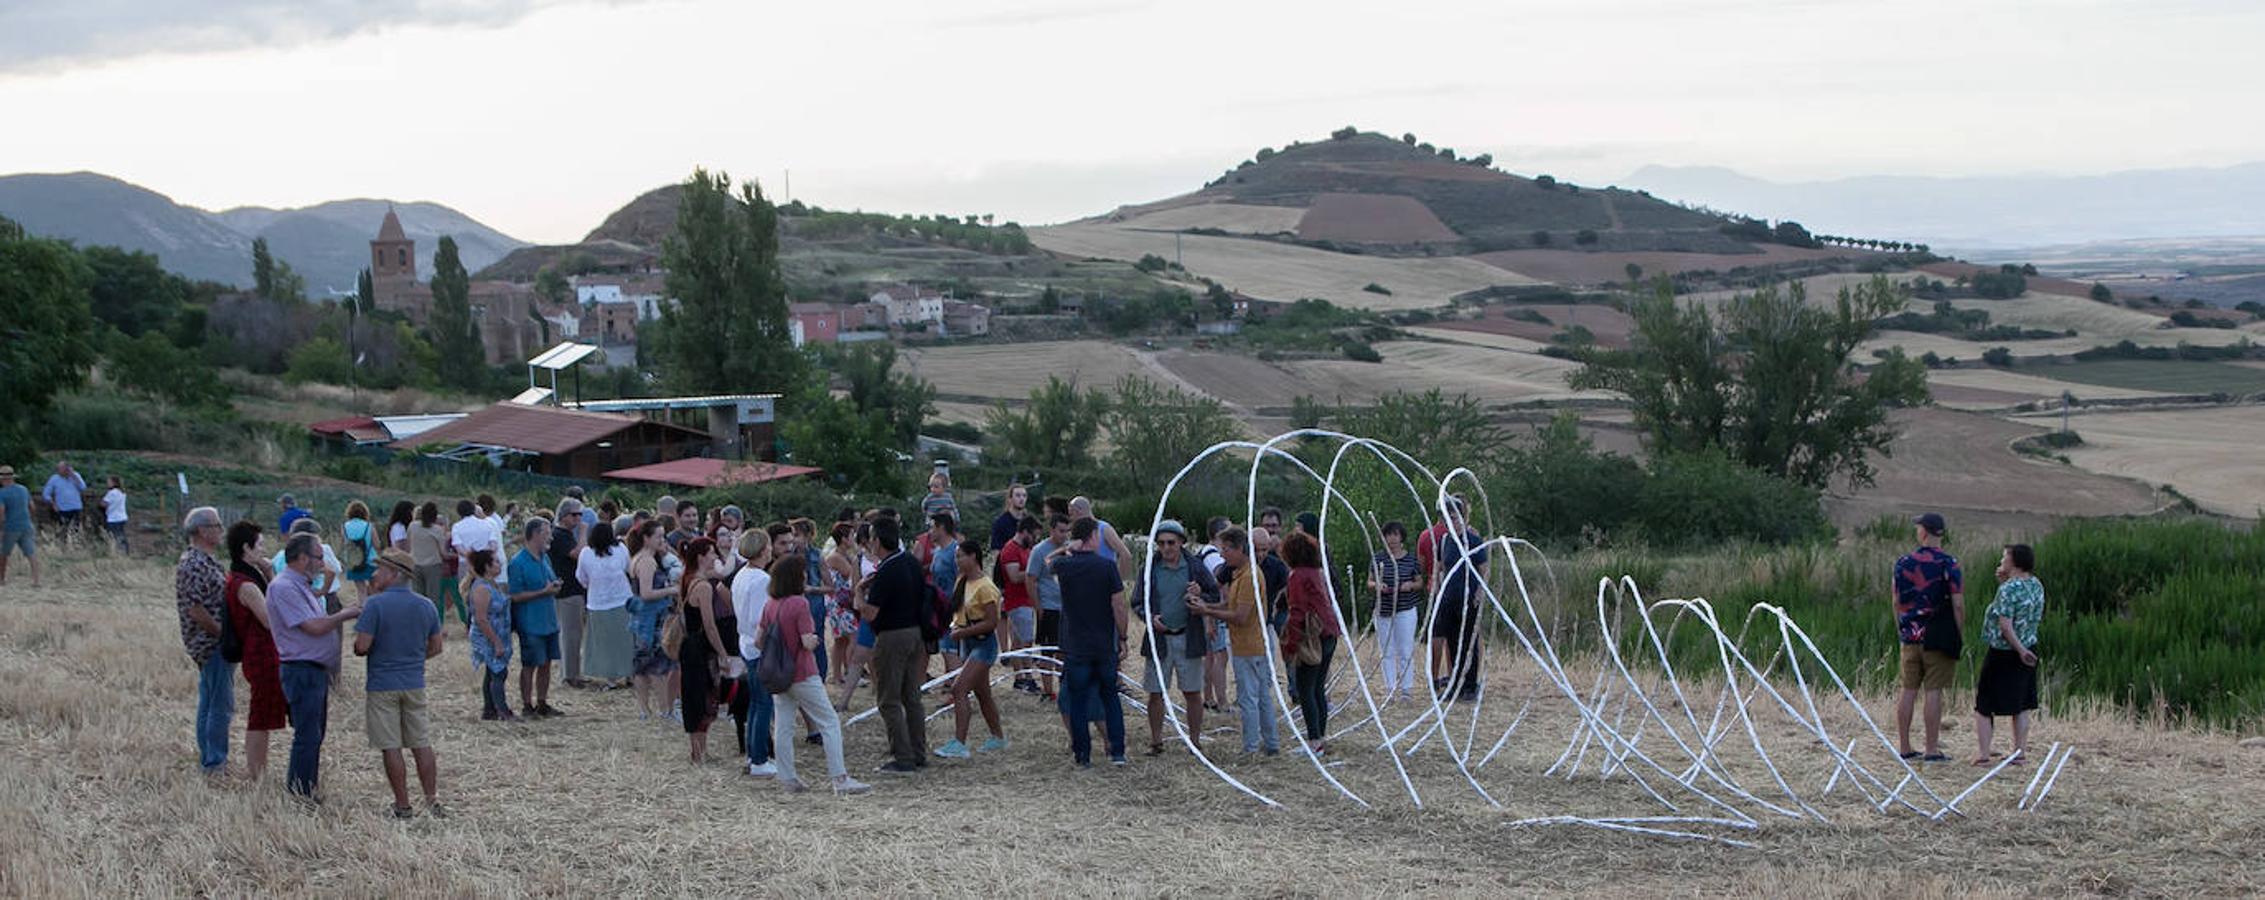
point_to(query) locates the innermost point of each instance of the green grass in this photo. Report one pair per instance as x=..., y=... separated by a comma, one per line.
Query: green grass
x=2175, y=376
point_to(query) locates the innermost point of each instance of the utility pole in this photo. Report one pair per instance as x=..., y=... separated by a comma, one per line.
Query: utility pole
x=1177, y=260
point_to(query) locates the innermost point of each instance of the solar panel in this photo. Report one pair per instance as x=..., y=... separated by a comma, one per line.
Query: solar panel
x=563, y=356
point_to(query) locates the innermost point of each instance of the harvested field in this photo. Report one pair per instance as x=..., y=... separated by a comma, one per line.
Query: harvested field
x=1962, y=465
x=1610, y=326
x=954, y=411
x=1286, y=272
x=1950, y=271
x=1373, y=219
x=1823, y=290
x=2209, y=455
x=1576, y=267
x=2035, y=380
x=100, y=799
x=1481, y=338
x=1491, y=376
x=2168, y=376
x=1970, y=398
x=983, y=372
x=1236, y=218
x=1916, y=344
x=2099, y=323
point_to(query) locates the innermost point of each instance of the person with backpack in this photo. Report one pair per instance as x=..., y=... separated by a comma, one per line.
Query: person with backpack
x=750, y=597
x=1930, y=623
x=361, y=548
x=247, y=619
x=897, y=601
x=786, y=670
x=975, y=631
x=935, y=549
x=1215, y=662
x=200, y=596
x=1309, y=639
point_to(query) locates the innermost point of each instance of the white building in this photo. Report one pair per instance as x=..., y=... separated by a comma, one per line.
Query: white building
x=908, y=304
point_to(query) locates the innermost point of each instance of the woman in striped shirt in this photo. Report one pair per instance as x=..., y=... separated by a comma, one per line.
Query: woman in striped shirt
x=1397, y=580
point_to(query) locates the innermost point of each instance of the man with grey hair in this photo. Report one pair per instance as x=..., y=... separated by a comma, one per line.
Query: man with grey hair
x=307, y=644
x=199, y=596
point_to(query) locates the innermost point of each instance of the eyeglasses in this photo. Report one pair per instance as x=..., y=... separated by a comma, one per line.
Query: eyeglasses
x=1167, y=542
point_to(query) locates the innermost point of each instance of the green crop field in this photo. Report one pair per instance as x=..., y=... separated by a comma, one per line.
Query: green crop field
x=2176, y=377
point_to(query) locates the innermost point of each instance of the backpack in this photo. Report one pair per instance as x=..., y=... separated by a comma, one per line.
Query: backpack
x=231, y=641
x=1309, y=642
x=774, y=670
x=938, y=621
x=672, y=634
x=358, y=549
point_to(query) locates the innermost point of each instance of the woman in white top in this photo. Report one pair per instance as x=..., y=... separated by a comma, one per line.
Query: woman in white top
x=114, y=513
x=603, y=569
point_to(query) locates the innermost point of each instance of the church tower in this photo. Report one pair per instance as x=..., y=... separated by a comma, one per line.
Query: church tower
x=393, y=269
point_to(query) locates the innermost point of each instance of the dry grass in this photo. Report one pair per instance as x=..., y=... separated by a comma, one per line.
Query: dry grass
x=1286, y=272
x=1962, y=464
x=2209, y=455
x=1011, y=371
x=2032, y=383
x=1584, y=267
x=100, y=798
x=1373, y=219
x=1235, y=218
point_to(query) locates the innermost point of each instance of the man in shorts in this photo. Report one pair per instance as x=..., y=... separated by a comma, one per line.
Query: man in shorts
x=1049, y=591
x=534, y=616
x=397, y=632
x=16, y=531
x=1177, y=643
x=1930, y=617
x=1016, y=602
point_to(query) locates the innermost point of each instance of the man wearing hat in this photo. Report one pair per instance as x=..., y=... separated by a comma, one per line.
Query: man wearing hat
x=16, y=531
x=397, y=632
x=1930, y=617
x=1176, y=640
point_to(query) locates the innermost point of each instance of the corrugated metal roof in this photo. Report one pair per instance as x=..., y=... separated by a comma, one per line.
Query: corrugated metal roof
x=706, y=472
x=533, y=429
x=563, y=356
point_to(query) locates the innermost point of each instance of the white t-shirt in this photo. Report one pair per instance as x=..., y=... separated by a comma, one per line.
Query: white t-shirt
x=750, y=593
x=605, y=576
x=397, y=536
x=474, y=533
x=114, y=506
x=502, y=529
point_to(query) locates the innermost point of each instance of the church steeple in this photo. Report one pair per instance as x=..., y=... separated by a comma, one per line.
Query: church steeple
x=393, y=254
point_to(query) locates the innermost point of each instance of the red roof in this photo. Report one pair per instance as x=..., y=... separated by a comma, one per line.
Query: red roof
x=533, y=429
x=708, y=472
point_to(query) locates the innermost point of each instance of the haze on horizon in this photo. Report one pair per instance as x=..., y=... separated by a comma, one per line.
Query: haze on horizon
x=540, y=116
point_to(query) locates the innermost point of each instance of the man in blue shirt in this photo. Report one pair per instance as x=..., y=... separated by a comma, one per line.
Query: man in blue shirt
x=534, y=617
x=66, y=494
x=1457, y=652
x=291, y=513
x=1094, y=623
x=16, y=531
x=399, y=630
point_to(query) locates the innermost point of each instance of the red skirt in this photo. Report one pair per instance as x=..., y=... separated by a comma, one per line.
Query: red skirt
x=268, y=711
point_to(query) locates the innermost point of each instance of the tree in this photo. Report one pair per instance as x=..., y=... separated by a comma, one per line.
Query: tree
x=1408, y=138
x=901, y=401
x=1155, y=429
x=1054, y=429
x=131, y=292
x=1771, y=384
x=2101, y=293
x=461, y=356
x=365, y=294
x=1585, y=237
x=1306, y=412
x=1998, y=356
x=150, y=365
x=1546, y=182
x=723, y=272
x=1483, y=160
x=1635, y=272
x=1541, y=238
x=263, y=269
x=1440, y=430
x=1345, y=133
x=829, y=432
x=46, y=331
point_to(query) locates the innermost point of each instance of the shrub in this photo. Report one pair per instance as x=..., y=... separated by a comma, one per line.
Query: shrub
x=1998, y=356
x=1358, y=351
x=1524, y=314
x=961, y=432
x=1374, y=288
x=1540, y=238
x=1585, y=237
x=1706, y=497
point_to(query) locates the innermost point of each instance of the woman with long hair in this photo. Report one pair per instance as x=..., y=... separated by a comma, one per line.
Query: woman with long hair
x=702, y=646
x=361, y=547
x=428, y=549
x=397, y=525
x=1309, y=638
x=840, y=620
x=975, y=631
x=491, y=621
x=861, y=647
x=649, y=609
x=246, y=592
x=603, y=569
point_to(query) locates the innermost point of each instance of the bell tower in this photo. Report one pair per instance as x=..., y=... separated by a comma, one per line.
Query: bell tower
x=392, y=255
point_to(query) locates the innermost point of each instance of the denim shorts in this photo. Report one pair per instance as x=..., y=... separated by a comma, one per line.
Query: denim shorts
x=983, y=649
x=24, y=540
x=538, y=649
x=865, y=635
x=1023, y=621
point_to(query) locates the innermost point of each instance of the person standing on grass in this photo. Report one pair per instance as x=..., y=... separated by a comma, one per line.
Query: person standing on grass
x=815, y=594
x=291, y=513
x=895, y=599
x=16, y=531
x=808, y=693
x=1108, y=544
x=653, y=601
x=565, y=553
x=1095, y=620
x=1214, y=630
x=1009, y=521
x=247, y=615
x=1309, y=641
x=750, y=594
x=603, y=569
x=200, y=596
x=65, y=494
x=397, y=633
x=397, y=528
x=975, y=630
x=428, y=547
x=938, y=556
x=841, y=620
x=1460, y=559
x=860, y=658
x=703, y=646
x=1176, y=582
x=533, y=588
x=1397, y=580
x=1930, y=619
x=1016, y=604
x=114, y=513
x=1049, y=591
x=2007, y=685
x=361, y=539
x=306, y=643
x=488, y=638
x=1246, y=635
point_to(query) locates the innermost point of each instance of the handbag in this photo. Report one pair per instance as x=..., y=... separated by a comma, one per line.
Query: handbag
x=775, y=668
x=672, y=634
x=1309, y=642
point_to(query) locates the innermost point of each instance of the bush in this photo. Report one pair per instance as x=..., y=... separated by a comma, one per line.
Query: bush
x=1540, y=238
x=1358, y=351
x=961, y=432
x=1585, y=237
x=2000, y=285
x=1705, y=498
x=1998, y=356
x=1374, y=288
x=1523, y=314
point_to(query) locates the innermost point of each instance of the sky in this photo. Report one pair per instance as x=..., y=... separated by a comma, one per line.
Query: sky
x=538, y=117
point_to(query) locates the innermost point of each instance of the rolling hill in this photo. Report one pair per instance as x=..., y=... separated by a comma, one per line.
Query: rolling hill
x=328, y=242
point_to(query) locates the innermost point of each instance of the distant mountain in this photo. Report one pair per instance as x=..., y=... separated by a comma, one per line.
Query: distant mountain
x=1983, y=213
x=628, y=238
x=328, y=243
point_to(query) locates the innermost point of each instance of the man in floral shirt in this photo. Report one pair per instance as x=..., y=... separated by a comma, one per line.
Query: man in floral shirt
x=1930, y=616
x=199, y=599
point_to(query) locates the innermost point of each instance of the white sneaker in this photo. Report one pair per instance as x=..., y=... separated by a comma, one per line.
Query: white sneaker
x=763, y=770
x=848, y=785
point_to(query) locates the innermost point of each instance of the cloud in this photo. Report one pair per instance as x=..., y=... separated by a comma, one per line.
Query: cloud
x=1048, y=14
x=46, y=37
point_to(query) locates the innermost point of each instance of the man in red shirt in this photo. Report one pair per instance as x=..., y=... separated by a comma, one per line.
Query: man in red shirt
x=1016, y=603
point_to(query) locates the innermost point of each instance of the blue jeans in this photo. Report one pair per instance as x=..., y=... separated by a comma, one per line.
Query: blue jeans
x=216, y=706
x=1082, y=679
x=1254, y=689
x=758, y=719
x=306, y=688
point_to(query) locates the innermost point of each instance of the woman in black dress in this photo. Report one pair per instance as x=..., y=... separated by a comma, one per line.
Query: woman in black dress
x=703, y=643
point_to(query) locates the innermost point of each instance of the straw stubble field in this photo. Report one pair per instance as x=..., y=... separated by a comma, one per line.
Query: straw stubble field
x=100, y=797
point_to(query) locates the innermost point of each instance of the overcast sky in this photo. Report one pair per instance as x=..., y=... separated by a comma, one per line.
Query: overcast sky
x=540, y=116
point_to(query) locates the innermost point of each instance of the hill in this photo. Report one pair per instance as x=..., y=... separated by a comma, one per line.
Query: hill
x=328, y=242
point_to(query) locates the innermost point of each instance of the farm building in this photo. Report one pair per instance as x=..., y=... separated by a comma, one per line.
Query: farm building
x=566, y=443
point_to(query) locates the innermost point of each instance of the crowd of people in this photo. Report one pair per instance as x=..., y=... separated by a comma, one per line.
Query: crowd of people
x=65, y=496
x=704, y=614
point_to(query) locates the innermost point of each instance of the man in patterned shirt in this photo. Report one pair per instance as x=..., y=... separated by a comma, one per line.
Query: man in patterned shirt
x=1930, y=616
x=199, y=599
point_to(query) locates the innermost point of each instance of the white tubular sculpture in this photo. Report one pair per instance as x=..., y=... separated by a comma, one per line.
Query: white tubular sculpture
x=1721, y=765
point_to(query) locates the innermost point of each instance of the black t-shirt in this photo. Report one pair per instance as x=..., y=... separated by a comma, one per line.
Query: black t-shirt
x=899, y=591
x=1277, y=575
x=561, y=553
x=1089, y=619
x=1003, y=530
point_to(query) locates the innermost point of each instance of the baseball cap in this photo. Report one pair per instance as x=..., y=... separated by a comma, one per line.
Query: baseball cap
x=1933, y=522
